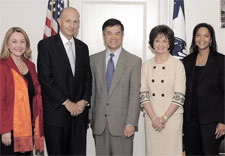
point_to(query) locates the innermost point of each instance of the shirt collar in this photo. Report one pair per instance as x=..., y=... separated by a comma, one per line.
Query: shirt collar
x=116, y=53
x=64, y=39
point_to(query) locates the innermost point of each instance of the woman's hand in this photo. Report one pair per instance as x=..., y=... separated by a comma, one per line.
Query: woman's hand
x=7, y=139
x=157, y=125
x=220, y=130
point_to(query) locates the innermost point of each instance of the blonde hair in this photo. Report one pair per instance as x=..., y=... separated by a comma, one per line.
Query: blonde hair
x=5, y=52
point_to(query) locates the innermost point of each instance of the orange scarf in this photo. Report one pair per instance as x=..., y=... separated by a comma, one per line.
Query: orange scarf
x=22, y=124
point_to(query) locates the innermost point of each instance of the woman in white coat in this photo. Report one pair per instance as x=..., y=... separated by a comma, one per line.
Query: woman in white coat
x=162, y=96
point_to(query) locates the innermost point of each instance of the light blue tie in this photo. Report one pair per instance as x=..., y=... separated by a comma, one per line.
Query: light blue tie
x=71, y=57
x=110, y=72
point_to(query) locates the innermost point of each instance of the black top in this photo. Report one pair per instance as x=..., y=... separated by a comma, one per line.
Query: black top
x=210, y=89
x=194, y=105
x=31, y=91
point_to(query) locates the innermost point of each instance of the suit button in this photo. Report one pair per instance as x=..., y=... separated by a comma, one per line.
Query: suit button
x=163, y=68
x=162, y=81
x=107, y=104
x=154, y=67
x=105, y=115
x=153, y=94
x=163, y=95
x=153, y=80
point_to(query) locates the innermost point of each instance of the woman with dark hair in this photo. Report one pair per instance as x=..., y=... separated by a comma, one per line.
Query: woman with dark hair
x=162, y=96
x=204, y=104
x=21, y=122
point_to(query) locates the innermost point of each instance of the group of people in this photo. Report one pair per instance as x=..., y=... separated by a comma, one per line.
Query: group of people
x=183, y=99
x=108, y=90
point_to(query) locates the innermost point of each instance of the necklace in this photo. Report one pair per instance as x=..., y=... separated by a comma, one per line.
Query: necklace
x=201, y=60
x=22, y=67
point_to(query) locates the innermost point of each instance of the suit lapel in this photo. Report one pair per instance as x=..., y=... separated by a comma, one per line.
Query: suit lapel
x=120, y=68
x=207, y=67
x=12, y=64
x=77, y=57
x=101, y=70
x=62, y=52
x=191, y=68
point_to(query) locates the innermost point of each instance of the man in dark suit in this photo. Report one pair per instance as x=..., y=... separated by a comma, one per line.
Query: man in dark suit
x=65, y=76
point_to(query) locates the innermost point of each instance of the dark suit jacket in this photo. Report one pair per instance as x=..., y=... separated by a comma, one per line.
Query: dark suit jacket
x=57, y=81
x=210, y=89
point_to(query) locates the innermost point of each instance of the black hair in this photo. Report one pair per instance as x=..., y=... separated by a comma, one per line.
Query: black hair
x=213, y=45
x=165, y=31
x=112, y=22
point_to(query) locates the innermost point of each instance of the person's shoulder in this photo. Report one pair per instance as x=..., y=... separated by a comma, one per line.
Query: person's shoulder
x=29, y=62
x=220, y=55
x=189, y=57
x=3, y=61
x=132, y=60
x=149, y=62
x=79, y=42
x=49, y=39
x=131, y=56
x=176, y=60
x=96, y=55
x=174, y=63
x=3, y=64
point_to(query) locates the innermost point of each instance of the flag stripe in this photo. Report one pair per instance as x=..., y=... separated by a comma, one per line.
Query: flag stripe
x=54, y=10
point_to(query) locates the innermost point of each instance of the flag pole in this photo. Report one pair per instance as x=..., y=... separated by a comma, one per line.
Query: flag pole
x=68, y=3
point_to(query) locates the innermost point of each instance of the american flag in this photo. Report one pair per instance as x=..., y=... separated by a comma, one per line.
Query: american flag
x=178, y=25
x=54, y=10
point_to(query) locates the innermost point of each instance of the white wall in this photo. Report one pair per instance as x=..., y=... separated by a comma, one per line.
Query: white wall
x=27, y=14
x=30, y=15
x=208, y=11
x=196, y=11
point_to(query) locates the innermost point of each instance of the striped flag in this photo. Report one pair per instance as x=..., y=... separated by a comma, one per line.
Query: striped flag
x=54, y=10
x=178, y=25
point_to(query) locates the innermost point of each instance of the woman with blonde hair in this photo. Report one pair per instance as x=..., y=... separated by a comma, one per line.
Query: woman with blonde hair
x=21, y=121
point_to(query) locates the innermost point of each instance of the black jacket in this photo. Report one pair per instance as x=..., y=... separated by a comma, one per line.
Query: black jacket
x=210, y=89
x=57, y=81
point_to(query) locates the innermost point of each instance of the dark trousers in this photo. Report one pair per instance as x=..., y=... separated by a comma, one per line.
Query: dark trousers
x=9, y=150
x=67, y=140
x=200, y=139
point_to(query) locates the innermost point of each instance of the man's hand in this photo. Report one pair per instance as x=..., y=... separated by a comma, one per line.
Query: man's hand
x=129, y=130
x=7, y=139
x=75, y=108
x=71, y=107
x=81, y=105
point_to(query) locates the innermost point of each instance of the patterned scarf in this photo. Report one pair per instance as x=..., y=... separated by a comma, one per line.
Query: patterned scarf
x=22, y=124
